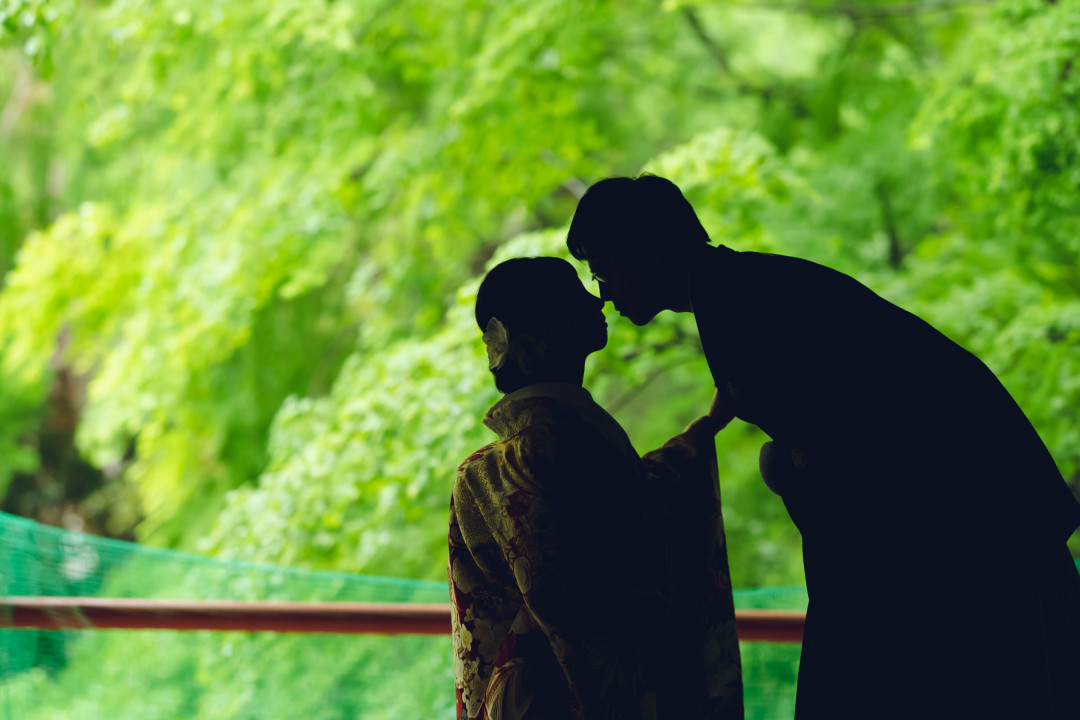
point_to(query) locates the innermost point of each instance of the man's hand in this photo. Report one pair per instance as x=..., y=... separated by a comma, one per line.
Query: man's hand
x=670, y=460
x=677, y=454
x=720, y=412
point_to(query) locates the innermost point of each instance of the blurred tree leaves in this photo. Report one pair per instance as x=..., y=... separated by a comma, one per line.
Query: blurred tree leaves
x=262, y=226
x=258, y=229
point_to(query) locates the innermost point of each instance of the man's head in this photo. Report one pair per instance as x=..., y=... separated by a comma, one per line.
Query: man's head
x=637, y=235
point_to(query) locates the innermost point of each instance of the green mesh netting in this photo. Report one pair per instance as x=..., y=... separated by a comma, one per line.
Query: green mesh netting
x=204, y=675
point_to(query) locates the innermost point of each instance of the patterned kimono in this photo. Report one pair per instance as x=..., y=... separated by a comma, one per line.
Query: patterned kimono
x=582, y=586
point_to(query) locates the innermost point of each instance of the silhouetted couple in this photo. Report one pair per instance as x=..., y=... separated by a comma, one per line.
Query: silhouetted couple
x=933, y=518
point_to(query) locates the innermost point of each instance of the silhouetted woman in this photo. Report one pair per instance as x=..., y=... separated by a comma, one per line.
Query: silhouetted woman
x=581, y=585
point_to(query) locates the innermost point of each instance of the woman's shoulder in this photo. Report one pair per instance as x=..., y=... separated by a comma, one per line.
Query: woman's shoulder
x=477, y=456
x=527, y=448
x=547, y=444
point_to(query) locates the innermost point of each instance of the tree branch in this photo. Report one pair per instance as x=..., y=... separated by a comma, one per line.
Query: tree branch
x=871, y=12
x=888, y=219
x=17, y=102
x=766, y=93
x=680, y=338
x=720, y=55
x=715, y=50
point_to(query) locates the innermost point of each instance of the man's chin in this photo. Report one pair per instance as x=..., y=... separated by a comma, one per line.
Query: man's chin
x=639, y=319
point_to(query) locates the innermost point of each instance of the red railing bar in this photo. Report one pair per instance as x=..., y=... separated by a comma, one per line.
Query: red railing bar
x=775, y=626
x=58, y=613
x=83, y=613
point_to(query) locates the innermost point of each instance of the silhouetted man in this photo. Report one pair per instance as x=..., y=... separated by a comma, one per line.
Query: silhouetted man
x=933, y=518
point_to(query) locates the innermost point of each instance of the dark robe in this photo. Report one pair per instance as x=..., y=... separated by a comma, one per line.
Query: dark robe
x=933, y=517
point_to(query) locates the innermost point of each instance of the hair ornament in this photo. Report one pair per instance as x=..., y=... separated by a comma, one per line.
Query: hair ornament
x=497, y=341
x=528, y=352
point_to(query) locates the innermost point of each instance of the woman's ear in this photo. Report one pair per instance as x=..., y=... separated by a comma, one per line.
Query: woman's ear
x=530, y=353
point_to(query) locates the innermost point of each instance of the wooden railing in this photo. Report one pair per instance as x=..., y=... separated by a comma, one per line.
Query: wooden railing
x=86, y=613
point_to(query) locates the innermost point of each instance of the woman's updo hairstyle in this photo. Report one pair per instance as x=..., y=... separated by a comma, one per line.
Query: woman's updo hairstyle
x=525, y=294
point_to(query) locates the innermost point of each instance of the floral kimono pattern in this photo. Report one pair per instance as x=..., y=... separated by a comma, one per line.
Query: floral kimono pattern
x=582, y=586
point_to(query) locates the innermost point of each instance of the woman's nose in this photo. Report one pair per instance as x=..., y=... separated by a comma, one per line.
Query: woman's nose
x=605, y=291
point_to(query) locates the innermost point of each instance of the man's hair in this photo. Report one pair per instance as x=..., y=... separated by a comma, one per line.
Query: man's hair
x=619, y=214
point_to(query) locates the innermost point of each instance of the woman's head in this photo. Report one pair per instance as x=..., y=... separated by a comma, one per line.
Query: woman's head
x=552, y=323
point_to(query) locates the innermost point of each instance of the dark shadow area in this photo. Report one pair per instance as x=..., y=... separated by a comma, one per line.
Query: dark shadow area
x=933, y=517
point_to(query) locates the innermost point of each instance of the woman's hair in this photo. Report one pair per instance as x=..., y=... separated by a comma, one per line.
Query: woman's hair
x=526, y=295
x=615, y=216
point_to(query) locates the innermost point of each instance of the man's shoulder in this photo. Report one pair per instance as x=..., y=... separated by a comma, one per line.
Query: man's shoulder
x=753, y=264
x=762, y=282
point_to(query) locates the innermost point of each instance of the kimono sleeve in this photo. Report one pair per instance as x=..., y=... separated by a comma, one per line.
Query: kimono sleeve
x=544, y=505
x=520, y=489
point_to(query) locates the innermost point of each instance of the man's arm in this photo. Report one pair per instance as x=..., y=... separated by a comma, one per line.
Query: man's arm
x=720, y=414
x=677, y=453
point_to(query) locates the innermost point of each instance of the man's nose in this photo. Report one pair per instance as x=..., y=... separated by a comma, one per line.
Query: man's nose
x=605, y=291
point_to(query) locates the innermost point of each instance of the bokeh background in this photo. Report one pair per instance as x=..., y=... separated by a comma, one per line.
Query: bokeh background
x=240, y=242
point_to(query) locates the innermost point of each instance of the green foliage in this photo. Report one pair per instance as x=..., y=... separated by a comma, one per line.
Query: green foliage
x=32, y=26
x=20, y=415
x=271, y=209
x=262, y=225
x=240, y=676
x=1003, y=123
x=209, y=675
x=1005, y=116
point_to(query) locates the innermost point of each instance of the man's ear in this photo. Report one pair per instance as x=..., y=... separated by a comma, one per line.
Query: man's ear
x=655, y=251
